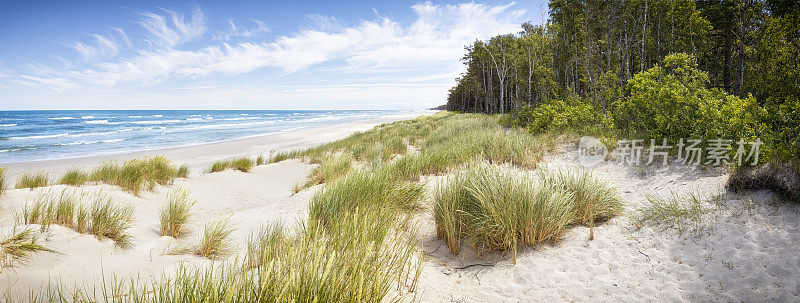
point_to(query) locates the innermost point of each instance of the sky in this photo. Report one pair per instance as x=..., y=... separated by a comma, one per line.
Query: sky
x=242, y=54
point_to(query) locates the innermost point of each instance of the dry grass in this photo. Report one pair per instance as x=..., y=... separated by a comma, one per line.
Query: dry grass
x=18, y=247
x=29, y=180
x=330, y=168
x=175, y=214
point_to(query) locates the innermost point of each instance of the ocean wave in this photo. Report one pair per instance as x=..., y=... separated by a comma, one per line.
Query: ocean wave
x=158, y=116
x=40, y=136
x=17, y=149
x=241, y=118
x=195, y=119
x=7, y=125
x=91, y=142
x=96, y=122
x=214, y=126
x=61, y=118
x=87, y=117
x=134, y=116
x=156, y=122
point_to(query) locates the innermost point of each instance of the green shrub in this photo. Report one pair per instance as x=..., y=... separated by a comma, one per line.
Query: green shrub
x=672, y=101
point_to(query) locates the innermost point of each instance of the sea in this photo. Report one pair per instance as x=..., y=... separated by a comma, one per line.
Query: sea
x=62, y=134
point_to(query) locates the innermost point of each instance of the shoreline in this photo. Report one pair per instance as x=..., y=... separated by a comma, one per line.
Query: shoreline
x=200, y=156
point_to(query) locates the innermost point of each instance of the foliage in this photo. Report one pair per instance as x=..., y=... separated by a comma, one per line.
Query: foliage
x=32, y=180
x=175, y=214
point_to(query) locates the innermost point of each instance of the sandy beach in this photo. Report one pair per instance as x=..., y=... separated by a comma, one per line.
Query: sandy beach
x=744, y=248
x=199, y=157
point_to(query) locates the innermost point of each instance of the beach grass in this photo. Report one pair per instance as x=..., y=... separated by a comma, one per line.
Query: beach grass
x=260, y=160
x=364, y=190
x=330, y=167
x=93, y=214
x=2, y=180
x=18, y=247
x=138, y=174
x=183, y=171
x=499, y=209
x=74, y=177
x=32, y=180
x=243, y=164
x=673, y=211
x=175, y=213
x=216, y=239
x=280, y=156
x=593, y=199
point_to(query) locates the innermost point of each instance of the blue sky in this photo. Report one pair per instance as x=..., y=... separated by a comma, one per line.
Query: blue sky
x=242, y=54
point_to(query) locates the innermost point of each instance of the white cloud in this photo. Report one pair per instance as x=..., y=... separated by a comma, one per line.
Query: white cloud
x=103, y=47
x=235, y=31
x=172, y=29
x=425, y=51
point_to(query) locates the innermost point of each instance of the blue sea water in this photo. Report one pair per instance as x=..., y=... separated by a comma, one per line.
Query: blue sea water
x=40, y=135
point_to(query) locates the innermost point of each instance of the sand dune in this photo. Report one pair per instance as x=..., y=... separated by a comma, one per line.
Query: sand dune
x=743, y=249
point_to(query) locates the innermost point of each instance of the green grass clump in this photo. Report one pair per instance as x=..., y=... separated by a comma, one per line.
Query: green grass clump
x=175, y=214
x=243, y=164
x=672, y=211
x=499, y=209
x=32, y=180
x=137, y=174
x=278, y=157
x=112, y=221
x=183, y=171
x=330, y=168
x=260, y=160
x=74, y=177
x=593, y=199
x=216, y=239
x=18, y=247
x=2, y=180
x=364, y=190
x=99, y=216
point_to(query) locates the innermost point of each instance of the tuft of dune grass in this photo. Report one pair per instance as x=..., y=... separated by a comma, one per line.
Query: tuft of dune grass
x=260, y=160
x=243, y=164
x=92, y=214
x=330, y=168
x=183, y=171
x=74, y=177
x=2, y=180
x=175, y=213
x=499, y=209
x=29, y=180
x=364, y=190
x=138, y=174
x=18, y=247
x=673, y=211
x=216, y=239
x=278, y=157
x=593, y=199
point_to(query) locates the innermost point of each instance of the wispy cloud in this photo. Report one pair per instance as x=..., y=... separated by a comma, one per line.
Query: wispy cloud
x=239, y=32
x=101, y=47
x=427, y=50
x=171, y=28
